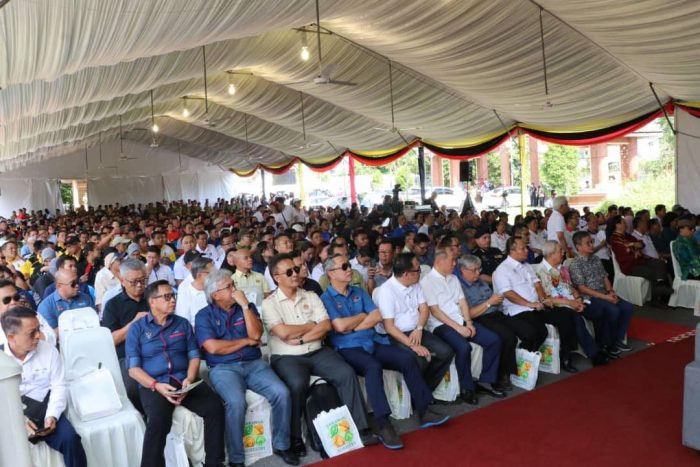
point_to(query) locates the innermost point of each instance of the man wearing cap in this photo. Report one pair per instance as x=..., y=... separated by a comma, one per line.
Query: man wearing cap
x=120, y=244
x=134, y=251
x=108, y=277
x=67, y=296
x=490, y=257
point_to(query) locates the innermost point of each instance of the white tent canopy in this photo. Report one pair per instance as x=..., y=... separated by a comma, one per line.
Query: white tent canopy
x=74, y=69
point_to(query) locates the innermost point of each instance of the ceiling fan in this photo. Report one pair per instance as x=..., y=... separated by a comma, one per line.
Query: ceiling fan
x=122, y=156
x=393, y=128
x=324, y=76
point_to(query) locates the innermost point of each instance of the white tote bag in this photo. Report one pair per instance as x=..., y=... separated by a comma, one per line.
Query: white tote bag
x=397, y=394
x=94, y=395
x=175, y=453
x=448, y=389
x=337, y=431
x=528, y=364
x=257, y=433
x=549, y=362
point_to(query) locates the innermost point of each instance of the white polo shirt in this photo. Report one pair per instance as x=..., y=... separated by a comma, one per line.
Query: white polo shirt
x=603, y=253
x=445, y=292
x=518, y=277
x=400, y=303
x=555, y=224
x=189, y=302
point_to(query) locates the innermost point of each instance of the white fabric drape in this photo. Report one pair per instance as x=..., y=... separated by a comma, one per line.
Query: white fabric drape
x=688, y=160
x=33, y=194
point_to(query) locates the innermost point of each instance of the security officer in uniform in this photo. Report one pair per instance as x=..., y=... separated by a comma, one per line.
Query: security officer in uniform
x=490, y=257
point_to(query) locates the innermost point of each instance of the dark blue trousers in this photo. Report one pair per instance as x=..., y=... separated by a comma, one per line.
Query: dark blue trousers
x=65, y=440
x=619, y=316
x=584, y=337
x=388, y=357
x=601, y=324
x=487, y=339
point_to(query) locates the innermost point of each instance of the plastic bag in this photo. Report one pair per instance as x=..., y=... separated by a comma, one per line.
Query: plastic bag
x=528, y=365
x=337, y=431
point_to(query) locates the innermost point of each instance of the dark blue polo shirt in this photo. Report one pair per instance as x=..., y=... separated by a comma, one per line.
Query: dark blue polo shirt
x=477, y=293
x=164, y=352
x=214, y=322
x=344, y=306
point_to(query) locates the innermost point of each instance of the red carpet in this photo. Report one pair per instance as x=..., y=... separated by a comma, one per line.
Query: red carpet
x=655, y=332
x=626, y=413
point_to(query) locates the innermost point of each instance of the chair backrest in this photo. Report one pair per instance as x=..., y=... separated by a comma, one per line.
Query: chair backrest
x=84, y=350
x=616, y=266
x=676, y=266
x=80, y=318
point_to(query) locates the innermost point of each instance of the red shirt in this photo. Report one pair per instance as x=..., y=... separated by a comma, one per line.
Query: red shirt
x=627, y=256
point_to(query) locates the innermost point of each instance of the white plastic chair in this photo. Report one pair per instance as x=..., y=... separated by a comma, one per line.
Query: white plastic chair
x=43, y=456
x=80, y=318
x=636, y=290
x=115, y=440
x=685, y=292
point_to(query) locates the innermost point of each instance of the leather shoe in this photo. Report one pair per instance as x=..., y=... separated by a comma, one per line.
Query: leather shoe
x=298, y=447
x=600, y=359
x=503, y=384
x=469, y=397
x=569, y=367
x=493, y=392
x=236, y=464
x=287, y=456
x=368, y=438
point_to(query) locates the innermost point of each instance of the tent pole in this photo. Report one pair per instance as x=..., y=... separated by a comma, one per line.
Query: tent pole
x=262, y=177
x=521, y=148
x=351, y=172
x=300, y=174
x=421, y=172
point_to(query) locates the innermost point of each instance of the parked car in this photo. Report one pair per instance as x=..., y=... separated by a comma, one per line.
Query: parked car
x=494, y=199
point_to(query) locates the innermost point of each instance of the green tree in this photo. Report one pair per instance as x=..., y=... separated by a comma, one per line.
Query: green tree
x=560, y=169
x=67, y=194
x=493, y=160
x=667, y=149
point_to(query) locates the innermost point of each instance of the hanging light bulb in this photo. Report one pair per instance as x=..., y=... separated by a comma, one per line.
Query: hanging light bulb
x=305, y=55
x=155, y=128
x=231, y=89
x=185, y=110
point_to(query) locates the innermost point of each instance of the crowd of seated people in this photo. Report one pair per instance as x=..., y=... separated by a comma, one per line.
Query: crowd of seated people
x=332, y=293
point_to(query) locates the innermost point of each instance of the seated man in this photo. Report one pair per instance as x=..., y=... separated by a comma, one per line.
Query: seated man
x=191, y=297
x=11, y=298
x=156, y=271
x=67, y=296
x=353, y=317
x=490, y=257
x=43, y=388
x=405, y=314
x=305, y=282
x=521, y=289
x=298, y=322
x=229, y=332
x=589, y=277
x=450, y=321
x=338, y=249
x=485, y=309
x=163, y=356
x=245, y=278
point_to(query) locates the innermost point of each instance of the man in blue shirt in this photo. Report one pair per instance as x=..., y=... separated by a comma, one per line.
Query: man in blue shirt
x=353, y=316
x=229, y=330
x=67, y=296
x=162, y=356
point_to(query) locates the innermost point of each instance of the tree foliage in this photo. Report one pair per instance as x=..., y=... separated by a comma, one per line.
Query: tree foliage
x=67, y=194
x=493, y=160
x=560, y=169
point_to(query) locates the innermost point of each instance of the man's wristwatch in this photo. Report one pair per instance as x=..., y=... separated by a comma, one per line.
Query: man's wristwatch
x=419, y=328
x=301, y=340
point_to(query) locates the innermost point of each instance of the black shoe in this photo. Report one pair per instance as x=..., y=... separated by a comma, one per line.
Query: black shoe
x=389, y=438
x=501, y=387
x=493, y=392
x=569, y=367
x=469, y=397
x=298, y=447
x=622, y=347
x=431, y=418
x=613, y=350
x=236, y=464
x=368, y=438
x=288, y=456
x=504, y=384
x=600, y=359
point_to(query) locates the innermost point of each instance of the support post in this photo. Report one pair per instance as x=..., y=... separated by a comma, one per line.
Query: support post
x=521, y=148
x=351, y=171
x=262, y=177
x=300, y=177
x=421, y=172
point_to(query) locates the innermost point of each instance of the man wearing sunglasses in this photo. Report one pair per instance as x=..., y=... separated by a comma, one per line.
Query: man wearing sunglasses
x=353, y=317
x=67, y=296
x=11, y=298
x=298, y=322
x=229, y=331
x=163, y=356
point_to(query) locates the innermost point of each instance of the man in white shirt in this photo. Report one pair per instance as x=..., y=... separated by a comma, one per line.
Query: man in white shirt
x=641, y=232
x=205, y=249
x=191, y=297
x=427, y=224
x=43, y=387
x=556, y=226
x=156, y=271
x=283, y=245
x=500, y=237
x=450, y=321
x=536, y=237
x=405, y=314
x=225, y=245
x=187, y=259
x=107, y=277
x=180, y=270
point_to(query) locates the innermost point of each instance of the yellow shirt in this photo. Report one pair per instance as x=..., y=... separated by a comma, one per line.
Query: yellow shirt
x=356, y=280
x=251, y=282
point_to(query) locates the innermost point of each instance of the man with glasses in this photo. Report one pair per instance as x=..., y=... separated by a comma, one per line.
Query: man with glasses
x=124, y=309
x=421, y=247
x=11, y=298
x=68, y=263
x=229, y=331
x=298, y=323
x=404, y=317
x=305, y=282
x=336, y=249
x=227, y=242
x=385, y=268
x=191, y=297
x=353, y=317
x=67, y=296
x=163, y=356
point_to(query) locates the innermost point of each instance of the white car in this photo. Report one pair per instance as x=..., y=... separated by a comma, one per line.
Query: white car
x=450, y=197
x=494, y=199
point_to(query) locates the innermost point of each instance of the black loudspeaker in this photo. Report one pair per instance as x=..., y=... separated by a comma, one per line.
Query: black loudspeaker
x=465, y=171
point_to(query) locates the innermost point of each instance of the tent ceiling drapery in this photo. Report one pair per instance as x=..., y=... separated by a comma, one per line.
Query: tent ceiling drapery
x=75, y=68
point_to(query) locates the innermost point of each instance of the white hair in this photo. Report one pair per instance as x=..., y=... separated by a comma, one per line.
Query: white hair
x=558, y=202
